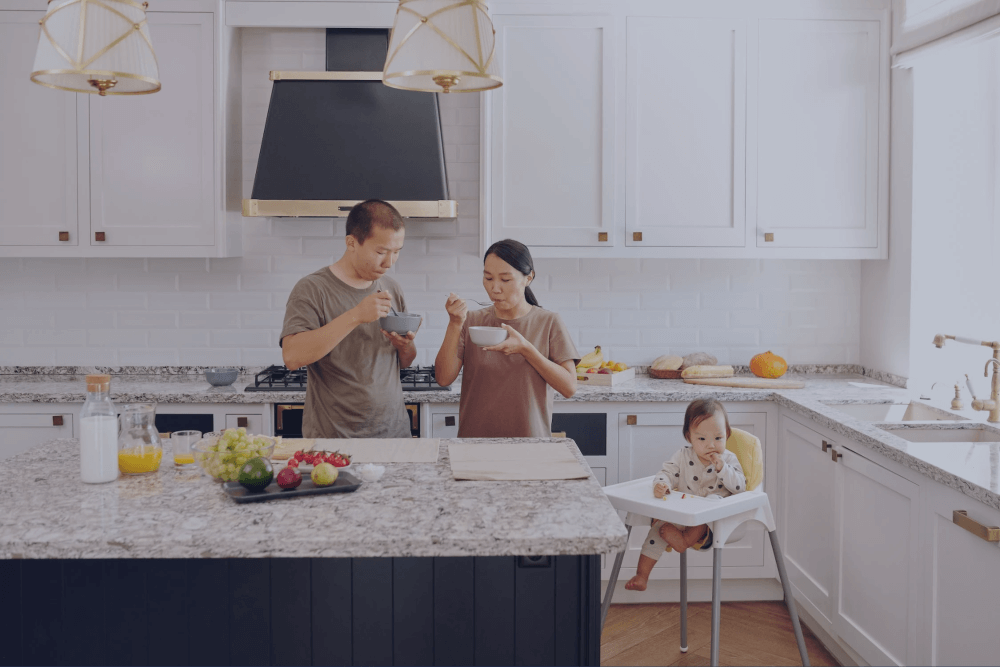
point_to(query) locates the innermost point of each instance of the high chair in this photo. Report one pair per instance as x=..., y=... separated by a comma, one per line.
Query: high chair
x=727, y=517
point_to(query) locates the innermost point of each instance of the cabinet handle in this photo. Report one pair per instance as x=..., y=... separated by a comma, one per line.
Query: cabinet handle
x=99, y=236
x=834, y=454
x=962, y=519
x=57, y=420
x=449, y=421
x=768, y=237
x=631, y=420
x=602, y=236
x=636, y=236
x=826, y=446
x=64, y=236
x=242, y=422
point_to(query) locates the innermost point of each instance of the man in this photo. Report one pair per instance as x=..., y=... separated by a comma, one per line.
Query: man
x=331, y=326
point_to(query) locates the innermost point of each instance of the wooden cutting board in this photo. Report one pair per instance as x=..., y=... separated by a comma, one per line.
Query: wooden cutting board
x=514, y=461
x=748, y=382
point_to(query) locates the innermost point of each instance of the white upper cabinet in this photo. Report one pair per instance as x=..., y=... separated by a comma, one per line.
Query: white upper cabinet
x=642, y=128
x=819, y=158
x=122, y=176
x=152, y=156
x=39, y=150
x=552, y=131
x=686, y=132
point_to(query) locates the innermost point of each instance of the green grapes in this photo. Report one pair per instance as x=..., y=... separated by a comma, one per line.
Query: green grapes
x=234, y=448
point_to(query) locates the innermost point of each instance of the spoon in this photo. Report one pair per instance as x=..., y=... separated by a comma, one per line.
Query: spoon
x=391, y=309
x=490, y=303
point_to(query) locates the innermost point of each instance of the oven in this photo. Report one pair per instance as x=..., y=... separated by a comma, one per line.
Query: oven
x=288, y=419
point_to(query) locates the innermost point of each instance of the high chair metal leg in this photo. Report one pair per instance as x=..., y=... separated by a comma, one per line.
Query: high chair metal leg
x=789, y=600
x=684, y=601
x=716, y=589
x=615, y=569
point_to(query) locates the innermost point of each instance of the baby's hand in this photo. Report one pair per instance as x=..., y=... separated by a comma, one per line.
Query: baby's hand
x=660, y=490
x=716, y=459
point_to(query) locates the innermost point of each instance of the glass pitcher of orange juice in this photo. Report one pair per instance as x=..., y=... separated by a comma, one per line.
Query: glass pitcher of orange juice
x=139, y=447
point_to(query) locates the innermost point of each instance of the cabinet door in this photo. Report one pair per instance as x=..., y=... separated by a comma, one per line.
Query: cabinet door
x=818, y=163
x=39, y=166
x=444, y=424
x=553, y=129
x=877, y=527
x=643, y=446
x=152, y=165
x=685, y=173
x=21, y=432
x=961, y=586
x=806, y=519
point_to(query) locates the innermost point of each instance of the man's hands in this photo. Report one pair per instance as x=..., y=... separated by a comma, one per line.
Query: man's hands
x=457, y=310
x=660, y=489
x=374, y=306
x=401, y=343
x=515, y=343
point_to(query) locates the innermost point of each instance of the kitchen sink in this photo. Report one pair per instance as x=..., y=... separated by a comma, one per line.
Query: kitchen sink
x=895, y=412
x=955, y=433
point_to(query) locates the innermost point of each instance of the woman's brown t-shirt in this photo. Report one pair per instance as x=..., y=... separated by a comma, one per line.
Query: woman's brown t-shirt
x=504, y=396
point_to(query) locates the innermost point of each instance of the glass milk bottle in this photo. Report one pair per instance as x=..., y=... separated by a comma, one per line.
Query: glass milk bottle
x=98, y=433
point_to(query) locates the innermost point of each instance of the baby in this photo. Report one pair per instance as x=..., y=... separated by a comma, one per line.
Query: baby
x=706, y=468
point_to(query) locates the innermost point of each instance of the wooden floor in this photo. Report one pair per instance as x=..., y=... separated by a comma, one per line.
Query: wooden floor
x=751, y=633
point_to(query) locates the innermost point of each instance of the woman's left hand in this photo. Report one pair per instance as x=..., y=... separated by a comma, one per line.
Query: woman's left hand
x=515, y=343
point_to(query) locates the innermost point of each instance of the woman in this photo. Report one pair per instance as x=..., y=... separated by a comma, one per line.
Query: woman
x=507, y=389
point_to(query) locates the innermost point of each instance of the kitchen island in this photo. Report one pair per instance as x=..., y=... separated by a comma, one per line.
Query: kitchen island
x=416, y=568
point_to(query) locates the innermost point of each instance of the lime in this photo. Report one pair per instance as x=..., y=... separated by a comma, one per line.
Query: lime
x=256, y=474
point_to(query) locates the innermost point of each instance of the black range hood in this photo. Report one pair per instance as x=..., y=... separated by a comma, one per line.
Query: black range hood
x=335, y=138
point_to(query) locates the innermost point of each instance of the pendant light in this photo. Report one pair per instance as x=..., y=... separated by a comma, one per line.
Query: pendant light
x=96, y=46
x=442, y=46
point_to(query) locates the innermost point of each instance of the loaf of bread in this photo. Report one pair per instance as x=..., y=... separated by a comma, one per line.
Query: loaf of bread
x=667, y=362
x=698, y=359
x=708, y=372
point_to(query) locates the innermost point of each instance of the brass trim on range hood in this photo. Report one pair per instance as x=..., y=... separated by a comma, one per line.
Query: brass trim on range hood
x=290, y=75
x=339, y=208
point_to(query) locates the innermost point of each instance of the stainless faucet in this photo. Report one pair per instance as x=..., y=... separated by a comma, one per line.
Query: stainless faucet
x=991, y=405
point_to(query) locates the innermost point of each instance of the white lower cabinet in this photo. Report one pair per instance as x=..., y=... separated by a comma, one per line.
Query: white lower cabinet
x=877, y=536
x=19, y=432
x=960, y=582
x=850, y=530
x=645, y=441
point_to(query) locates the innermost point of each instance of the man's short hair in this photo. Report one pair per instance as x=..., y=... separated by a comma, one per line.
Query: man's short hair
x=372, y=213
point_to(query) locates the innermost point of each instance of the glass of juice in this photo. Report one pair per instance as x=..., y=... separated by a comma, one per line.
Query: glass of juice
x=181, y=442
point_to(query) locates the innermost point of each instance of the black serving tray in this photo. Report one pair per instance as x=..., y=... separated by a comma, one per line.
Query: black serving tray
x=346, y=482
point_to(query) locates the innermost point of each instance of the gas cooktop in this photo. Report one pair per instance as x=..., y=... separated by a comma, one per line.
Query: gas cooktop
x=279, y=378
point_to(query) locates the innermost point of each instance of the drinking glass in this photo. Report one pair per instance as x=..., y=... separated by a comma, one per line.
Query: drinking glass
x=181, y=442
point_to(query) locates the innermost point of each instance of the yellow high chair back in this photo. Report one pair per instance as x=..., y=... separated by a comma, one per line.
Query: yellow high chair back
x=747, y=448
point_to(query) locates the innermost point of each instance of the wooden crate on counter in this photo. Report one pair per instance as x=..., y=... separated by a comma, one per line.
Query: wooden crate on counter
x=605, y=379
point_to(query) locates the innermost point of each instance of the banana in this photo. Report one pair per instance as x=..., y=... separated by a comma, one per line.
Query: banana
x=592, y=359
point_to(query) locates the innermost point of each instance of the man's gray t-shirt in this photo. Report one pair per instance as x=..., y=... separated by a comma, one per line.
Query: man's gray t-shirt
x=354, y=391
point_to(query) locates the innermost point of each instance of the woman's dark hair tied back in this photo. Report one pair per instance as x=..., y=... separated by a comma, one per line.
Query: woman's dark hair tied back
x=517, y=255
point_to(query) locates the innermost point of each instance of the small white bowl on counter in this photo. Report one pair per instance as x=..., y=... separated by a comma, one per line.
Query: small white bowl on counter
x=486, y=336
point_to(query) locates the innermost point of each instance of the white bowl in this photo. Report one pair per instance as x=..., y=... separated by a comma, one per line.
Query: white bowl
x=486, y=336
x=369, y=472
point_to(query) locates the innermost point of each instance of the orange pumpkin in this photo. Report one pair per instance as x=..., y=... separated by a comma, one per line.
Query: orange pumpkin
x=768, y=365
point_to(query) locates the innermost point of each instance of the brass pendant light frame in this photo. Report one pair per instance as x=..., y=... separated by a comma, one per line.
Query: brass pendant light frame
x=480, y=65
x=102, y=81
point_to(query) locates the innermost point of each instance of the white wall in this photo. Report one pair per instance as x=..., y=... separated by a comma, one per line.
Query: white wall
x=954, y=289
x=885, y=284
x=229, y=311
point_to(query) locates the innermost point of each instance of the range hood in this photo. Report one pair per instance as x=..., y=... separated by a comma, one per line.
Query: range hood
x=335, y=138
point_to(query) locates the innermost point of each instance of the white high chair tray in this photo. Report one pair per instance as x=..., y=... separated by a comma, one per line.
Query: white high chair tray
x=637, y=496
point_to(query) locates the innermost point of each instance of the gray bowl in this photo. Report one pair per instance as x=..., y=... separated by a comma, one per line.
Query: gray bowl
x=221, y=377
x=400, y=323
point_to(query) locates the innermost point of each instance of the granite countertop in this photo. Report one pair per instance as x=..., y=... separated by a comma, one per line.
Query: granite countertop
x=973, y=473
x=413, y=510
